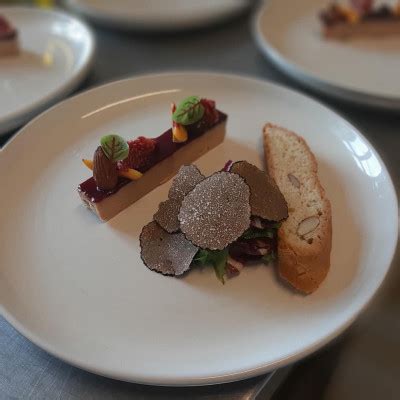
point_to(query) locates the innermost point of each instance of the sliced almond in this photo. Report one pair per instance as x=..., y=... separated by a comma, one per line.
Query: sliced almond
x=307, y=226
x=294, y=181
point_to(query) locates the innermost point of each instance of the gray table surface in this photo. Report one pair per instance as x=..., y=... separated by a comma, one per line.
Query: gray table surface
x=363, y=363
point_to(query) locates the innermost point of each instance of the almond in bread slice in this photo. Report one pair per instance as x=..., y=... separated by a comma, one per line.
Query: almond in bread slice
x=305, y=238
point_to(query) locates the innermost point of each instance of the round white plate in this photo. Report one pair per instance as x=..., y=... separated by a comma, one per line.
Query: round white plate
x=157, y=15
x=364, y=71
x=56, y=53
x=78, y=288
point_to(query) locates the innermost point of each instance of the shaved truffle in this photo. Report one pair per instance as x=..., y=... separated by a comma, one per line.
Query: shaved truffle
x=167, y=215
x=216, y=212
x=266, y=200
x=169, y=254
x=186, y=179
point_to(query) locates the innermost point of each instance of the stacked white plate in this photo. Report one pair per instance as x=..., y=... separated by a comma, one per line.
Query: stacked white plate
x=157, y=15
x=56, y=54
x=363, y=70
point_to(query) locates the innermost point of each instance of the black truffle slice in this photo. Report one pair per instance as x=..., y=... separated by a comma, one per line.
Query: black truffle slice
x=169, y=254
x=216, y=212
x=167, y=215
x=266, y=200
x=186, y=179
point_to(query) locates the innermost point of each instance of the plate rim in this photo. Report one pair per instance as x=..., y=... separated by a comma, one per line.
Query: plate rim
x=307, y=79
x=129, y=24
x=20, y=117
x=238, y=374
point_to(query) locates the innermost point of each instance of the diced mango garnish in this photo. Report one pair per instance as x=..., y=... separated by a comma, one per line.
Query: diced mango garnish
x=351, y=15
x=397, y=9
x=131, y=174
x=88, y=163
x=179, y=133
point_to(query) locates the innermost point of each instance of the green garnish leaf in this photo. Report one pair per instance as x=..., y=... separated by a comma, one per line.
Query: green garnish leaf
x=189, y=111
x=268, y=258
x=216, y=258
x=201, y=257
x=115, y=147
x=219, y=258
x=254, y=233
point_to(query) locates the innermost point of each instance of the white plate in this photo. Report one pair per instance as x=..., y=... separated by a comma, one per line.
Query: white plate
x=157, y=15
x=364, y=71
x=56, y=53
x=78, y=288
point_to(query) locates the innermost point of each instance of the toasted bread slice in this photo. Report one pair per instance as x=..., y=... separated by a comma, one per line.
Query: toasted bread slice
x=305, y=238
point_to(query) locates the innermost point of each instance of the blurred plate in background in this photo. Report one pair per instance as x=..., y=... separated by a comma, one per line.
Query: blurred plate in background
x=363, y=71
x=56, y=53
x=158, y=15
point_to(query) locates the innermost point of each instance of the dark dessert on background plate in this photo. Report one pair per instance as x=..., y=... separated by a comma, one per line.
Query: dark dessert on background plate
x=125, y=171
x=360, y=18
x=8, y=38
